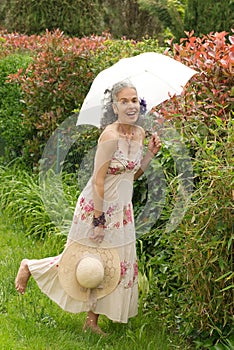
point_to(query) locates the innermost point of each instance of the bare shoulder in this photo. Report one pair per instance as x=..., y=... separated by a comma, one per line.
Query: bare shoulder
x=109, y=134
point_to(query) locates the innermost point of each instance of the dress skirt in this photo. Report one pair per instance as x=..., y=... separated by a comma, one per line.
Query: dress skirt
x=118, y=306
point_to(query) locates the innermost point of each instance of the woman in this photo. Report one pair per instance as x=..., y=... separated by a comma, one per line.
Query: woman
x=104, y=210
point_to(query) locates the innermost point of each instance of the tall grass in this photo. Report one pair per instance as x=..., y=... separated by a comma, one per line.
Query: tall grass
x=23, y=198
x=34, y=322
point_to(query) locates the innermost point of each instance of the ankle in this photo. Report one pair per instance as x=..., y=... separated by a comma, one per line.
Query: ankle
x=91, y=321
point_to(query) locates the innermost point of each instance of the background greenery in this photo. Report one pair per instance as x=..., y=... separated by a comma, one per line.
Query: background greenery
x=133, y=19
x=186, y=278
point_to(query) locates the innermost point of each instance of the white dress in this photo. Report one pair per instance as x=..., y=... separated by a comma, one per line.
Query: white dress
x=122, y=303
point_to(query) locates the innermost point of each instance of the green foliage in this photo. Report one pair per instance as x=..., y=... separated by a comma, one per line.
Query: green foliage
x=12, y=130
x=209, y=240
x=209, y=16
x=170, y=14
x=35, y=16
x=79, y=18
x=22, y=198
x=190, y=268
x=131, y=20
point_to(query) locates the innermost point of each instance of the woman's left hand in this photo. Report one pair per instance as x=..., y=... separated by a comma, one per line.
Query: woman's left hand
x=154, y=144
x=97, y=234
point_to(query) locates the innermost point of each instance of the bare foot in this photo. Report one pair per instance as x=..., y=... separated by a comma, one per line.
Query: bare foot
x=94, y=328
x=22, y=277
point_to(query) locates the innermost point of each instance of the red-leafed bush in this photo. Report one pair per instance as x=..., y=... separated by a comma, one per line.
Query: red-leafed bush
x=19, y=43
x=54, y=84
x=210, y=92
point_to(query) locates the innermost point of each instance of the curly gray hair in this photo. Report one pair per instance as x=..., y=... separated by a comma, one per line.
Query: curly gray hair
x=110, y=96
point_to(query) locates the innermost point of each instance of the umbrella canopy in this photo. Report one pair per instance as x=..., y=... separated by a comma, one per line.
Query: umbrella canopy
x=155, y=76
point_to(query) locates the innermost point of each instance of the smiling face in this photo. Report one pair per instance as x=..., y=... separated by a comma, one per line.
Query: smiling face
x=127, y=106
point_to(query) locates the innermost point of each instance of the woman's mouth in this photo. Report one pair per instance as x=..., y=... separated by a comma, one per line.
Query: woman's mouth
x=132, y=114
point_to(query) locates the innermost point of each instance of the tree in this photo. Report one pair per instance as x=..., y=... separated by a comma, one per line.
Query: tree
x=209, y=16
x=170, y=14
x=81, y=17
x=130, y=19
x=74, y=17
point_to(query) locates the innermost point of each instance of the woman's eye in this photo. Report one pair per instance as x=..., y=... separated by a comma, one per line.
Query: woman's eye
x=124, y=102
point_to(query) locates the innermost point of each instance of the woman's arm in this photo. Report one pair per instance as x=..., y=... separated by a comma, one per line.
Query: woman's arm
x=106, y=147
x=153, y=148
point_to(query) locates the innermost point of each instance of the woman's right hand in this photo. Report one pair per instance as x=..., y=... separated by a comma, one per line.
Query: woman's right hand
x=97, y=234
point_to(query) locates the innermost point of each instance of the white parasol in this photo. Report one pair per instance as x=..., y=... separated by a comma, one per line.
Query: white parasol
x=156, y=77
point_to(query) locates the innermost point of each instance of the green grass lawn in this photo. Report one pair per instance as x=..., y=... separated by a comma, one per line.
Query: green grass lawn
x=32, y=321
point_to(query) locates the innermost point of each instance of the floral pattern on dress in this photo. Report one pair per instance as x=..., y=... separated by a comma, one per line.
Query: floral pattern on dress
x=111, y=210
x=128, y=215
x=87, y=209
x=135, y=267
x=114, y=170
x=54, y=261
x=128, y=274
x=127, y=165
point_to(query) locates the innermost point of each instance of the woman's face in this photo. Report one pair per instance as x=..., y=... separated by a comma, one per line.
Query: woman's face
x=127, y=106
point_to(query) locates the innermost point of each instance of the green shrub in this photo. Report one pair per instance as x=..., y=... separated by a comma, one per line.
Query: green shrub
x=190, y=268
x=12, y=130
x=35, y=16
x=204, y=257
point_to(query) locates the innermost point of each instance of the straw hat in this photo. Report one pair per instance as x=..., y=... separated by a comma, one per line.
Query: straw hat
x=87, y=271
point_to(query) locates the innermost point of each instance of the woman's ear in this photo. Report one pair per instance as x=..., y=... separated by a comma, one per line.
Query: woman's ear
x=115, y=109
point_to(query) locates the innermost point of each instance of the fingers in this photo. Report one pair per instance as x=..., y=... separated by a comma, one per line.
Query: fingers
x=155, y=143
x=96, y=239
x=97, y=235
x=156, y=139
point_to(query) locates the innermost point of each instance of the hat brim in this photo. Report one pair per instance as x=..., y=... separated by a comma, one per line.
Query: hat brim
x=68, y=264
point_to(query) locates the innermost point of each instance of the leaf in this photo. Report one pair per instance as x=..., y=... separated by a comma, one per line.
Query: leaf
x=218, y=347
x=227, y=288
x=224, y=276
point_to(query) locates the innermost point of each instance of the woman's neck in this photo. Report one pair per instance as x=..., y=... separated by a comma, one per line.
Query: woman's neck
x=126, y=129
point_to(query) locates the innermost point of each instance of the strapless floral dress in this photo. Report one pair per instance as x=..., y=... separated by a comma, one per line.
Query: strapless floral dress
x=122, y=303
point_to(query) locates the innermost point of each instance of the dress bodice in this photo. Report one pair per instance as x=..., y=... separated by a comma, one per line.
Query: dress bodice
x=127, y=158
